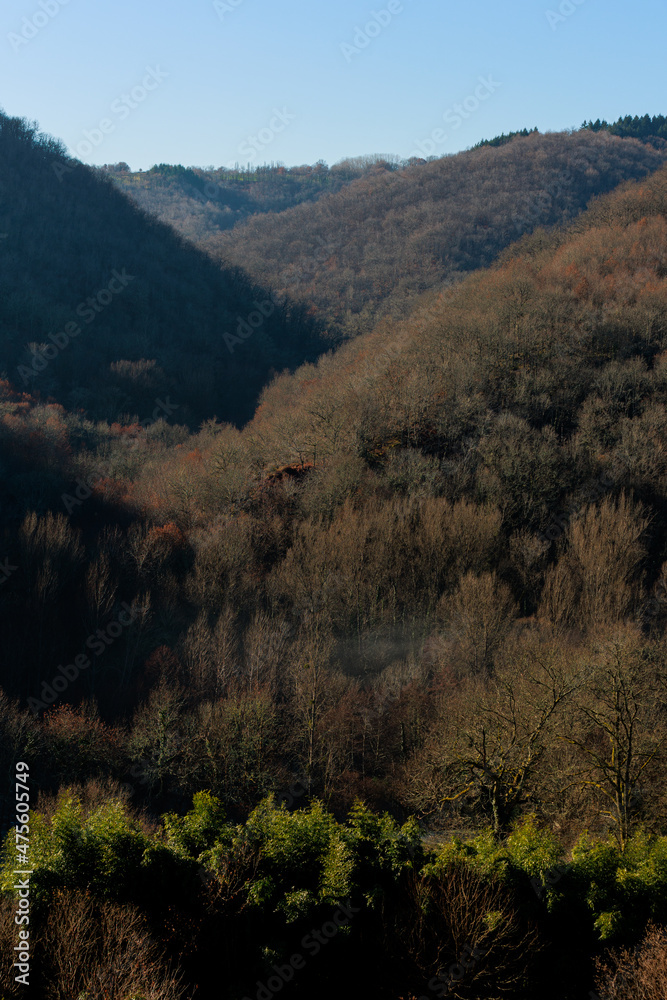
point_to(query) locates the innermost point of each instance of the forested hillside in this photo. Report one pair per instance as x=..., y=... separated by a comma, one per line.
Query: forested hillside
x=105, y=309
x=376, y=680
x=386, y=238
x=200, y=202
x=416, y=512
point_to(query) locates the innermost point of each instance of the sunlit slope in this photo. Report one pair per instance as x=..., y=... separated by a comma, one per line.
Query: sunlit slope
x=371, y=248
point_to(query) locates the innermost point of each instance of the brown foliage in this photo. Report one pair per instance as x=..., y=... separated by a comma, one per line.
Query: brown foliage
x=97, y=950
x=394, y=234
x=479, y=616
x=596, y=581
x=636, y=975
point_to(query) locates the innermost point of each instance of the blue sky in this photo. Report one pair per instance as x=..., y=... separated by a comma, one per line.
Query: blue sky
x=301, y=80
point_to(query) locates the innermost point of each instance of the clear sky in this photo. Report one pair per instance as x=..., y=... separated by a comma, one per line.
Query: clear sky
x=301, y=80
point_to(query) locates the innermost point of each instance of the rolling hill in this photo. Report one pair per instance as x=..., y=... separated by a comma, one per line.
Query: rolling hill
x=105, y=309
x=427, y=577
x=368, y=250
x=200, y=202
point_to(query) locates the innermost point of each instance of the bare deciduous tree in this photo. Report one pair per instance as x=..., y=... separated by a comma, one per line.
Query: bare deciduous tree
x=640, y=974
x=487, y=745
x=621, y=735
x=98, y=950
